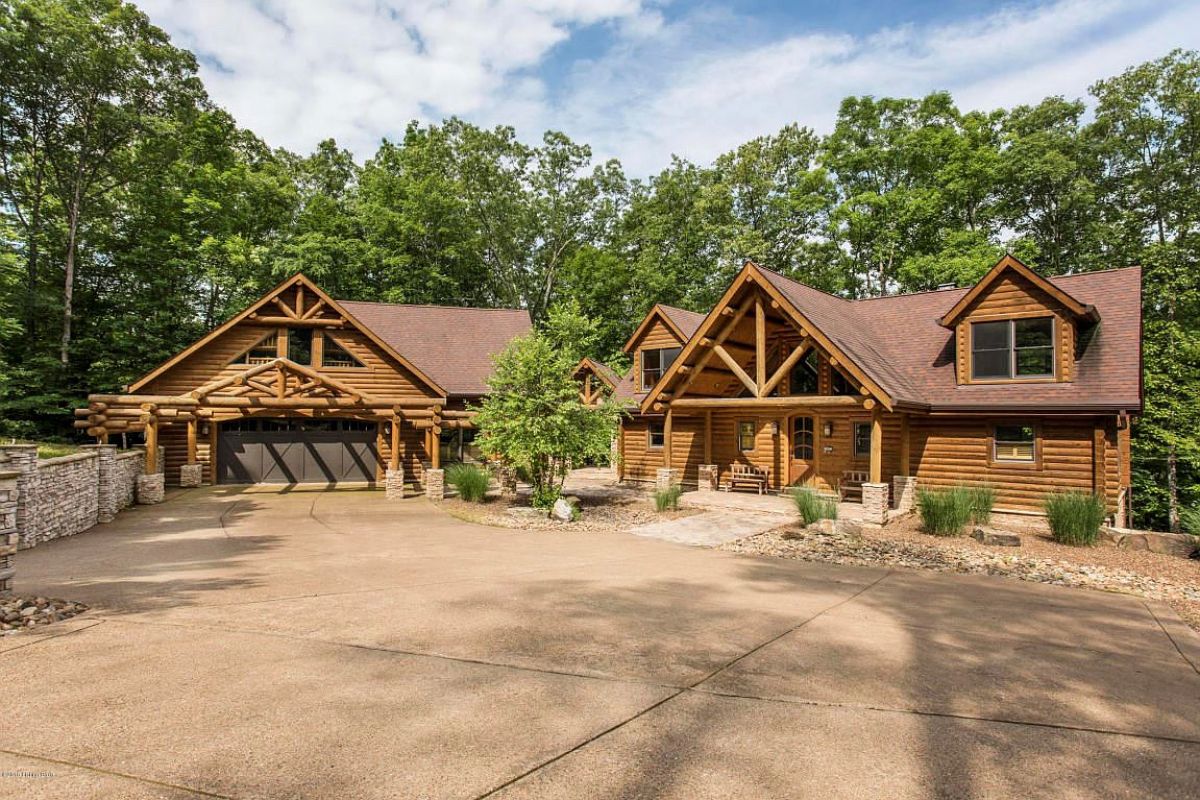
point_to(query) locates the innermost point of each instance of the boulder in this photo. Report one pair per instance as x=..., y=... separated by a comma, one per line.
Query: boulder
x=997, y=538
x=825, y=526
x=848, y=527
x=563, y=511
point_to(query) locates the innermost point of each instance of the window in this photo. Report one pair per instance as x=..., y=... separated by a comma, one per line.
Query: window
x=299, y=345
x=655, y=437
x=334, y=355
x=802, y=438
x=803, y=379
x=862, y=440
x=745, y=436
x=1012, y=348
x=655, y=363
x=838, y=385
x=1014, y=443
x=266, y=350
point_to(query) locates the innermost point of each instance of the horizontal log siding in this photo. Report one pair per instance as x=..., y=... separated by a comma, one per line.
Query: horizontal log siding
x=380, y=376
x=173, y=439
x=949, y=450
x=639, y=463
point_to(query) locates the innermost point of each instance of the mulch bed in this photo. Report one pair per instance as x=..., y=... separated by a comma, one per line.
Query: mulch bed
x=1155, y=576
x=25, y=613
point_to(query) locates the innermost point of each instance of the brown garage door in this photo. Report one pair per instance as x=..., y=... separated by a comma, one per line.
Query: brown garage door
x=296, y=451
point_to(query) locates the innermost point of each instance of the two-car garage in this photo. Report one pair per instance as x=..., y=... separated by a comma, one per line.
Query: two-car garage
x=296, y=450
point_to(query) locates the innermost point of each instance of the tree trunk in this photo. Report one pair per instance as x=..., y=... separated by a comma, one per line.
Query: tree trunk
x=69, y=278
x=1172, y=489
x=35, y=225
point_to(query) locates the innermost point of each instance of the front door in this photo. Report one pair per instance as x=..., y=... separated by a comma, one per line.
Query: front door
x=803, y=441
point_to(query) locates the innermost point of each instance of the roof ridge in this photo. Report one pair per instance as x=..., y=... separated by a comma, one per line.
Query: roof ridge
x=435, y=305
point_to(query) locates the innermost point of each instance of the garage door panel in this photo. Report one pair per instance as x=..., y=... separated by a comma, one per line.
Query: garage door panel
x=296, y=451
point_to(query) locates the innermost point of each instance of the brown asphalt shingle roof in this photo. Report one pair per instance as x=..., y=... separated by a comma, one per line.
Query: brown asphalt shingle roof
x=454, y=346
x=897, y=340
x=686, y=321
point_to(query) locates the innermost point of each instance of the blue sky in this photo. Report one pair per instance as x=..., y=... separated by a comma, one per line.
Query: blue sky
x=641, y=80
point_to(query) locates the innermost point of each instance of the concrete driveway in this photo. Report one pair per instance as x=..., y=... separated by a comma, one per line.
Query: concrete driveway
x=336, y=645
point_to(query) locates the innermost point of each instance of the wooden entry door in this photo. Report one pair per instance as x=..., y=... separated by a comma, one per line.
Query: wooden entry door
x=802, y=438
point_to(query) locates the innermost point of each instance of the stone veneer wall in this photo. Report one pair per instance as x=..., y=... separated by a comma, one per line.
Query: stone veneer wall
x=128, y=466
x=64, y=496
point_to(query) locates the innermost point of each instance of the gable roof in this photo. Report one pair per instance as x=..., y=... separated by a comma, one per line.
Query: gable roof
x=681, y=322
x=454, y=345
x=329, y=302
x=900, y=344
x=601, y=370
x=1010, y=263
x=1108, y=368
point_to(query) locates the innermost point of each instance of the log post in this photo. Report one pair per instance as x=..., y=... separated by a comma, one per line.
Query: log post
x=905, y=452
x=191, y=440
x=151, y=444
x=760, y=347
x=394, y=453
x=876, y=445
x=667, y=440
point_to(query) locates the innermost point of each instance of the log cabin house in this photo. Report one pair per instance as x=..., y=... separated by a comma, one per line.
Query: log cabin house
x=1021, y=382
x=302, y=388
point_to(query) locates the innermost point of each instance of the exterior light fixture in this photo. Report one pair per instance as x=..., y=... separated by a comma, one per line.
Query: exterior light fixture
x=829, y=427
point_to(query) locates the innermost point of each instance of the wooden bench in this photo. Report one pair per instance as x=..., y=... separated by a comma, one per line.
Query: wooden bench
x=851, y=484
x=745, y=476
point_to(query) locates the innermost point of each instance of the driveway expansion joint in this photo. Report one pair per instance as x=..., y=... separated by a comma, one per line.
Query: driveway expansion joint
x=113, y=773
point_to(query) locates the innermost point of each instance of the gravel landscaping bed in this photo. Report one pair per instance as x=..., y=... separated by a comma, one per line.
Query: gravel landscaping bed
x=22, y=613
x=1152, y=575
x=607, y=509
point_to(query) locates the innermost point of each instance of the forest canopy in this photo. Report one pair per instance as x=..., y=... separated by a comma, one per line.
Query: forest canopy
x=135, y=214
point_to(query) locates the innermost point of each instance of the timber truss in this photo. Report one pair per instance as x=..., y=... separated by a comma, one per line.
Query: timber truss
x=744, y=351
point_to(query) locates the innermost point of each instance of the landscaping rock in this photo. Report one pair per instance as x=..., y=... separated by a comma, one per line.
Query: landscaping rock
x=20, y=613
x=1171, y=544
x=563, y=511
x=997, y=538
x=825, y=526
x=848, y=527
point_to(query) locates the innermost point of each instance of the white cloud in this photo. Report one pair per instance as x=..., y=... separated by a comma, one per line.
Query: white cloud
x=698, y=84
x=301, y=70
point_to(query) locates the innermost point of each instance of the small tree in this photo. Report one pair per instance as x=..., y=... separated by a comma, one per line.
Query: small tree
x=533, y=418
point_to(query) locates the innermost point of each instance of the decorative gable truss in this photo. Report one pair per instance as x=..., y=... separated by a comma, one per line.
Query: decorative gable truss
x=745, y=350
x=280, y=378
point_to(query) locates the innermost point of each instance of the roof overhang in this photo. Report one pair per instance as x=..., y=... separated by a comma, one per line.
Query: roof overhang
x=1008, y=263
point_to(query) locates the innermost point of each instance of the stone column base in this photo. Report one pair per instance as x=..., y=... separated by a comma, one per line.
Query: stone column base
x=875, y=503
x=904, y=490
x=435, y=484
x=665, y=478
x=393, y=484
x=8, y=531
x=708, y=478
x=191, y=475
x=151, y=489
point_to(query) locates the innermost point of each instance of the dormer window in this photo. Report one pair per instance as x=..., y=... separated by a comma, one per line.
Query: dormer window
x=1012, y=348
x=655, y=363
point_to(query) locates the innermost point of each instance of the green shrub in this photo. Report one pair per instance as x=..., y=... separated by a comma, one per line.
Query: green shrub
x=667, y=499
x=812, y=506
x=544, y=497
x=470, y=481
x=983, y=498
x=1075, y=517
x=944, y=512
x=1189, y=518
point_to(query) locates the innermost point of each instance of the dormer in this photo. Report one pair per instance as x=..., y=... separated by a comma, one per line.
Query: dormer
x=656, y=343
x=1014, y=326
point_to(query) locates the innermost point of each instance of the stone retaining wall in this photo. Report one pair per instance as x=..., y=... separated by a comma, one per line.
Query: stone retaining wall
x=64, y=496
